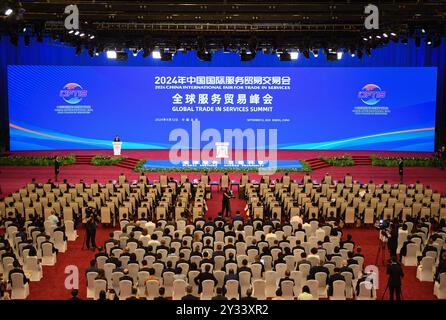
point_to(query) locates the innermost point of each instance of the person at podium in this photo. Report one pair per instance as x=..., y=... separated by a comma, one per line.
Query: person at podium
x=117, y=139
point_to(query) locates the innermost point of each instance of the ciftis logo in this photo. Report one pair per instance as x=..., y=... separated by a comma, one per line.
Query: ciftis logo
x=371, y=94
x=73, y=93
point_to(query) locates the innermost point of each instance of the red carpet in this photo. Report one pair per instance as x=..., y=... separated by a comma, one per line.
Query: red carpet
x=52, y=285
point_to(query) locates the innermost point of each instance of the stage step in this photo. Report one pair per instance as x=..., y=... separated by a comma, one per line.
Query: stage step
x=362, y=160
x=83, y=159
x=317, y=164
x=129, y=163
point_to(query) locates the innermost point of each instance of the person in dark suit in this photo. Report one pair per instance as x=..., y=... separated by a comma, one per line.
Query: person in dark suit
x=203, y=276
x=189, y=295
x=74, y=295
x=17, y=269
x=56, y=167
x=219, y=295
x=126, y=276
x=316, y=269
x=116, y=139
x=336, y=276
x=401, y=169
x=161, y=292
x=90, y=228
x=249, y=296
x=395, y=273
x=230, y=276
x=225, y=205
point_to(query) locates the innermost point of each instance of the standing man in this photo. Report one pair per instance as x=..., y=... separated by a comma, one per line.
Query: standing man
x=90, y=229
x=117, y=139
x=401, y=169
x=56, y=167
x=226, y=206
x=395, y=273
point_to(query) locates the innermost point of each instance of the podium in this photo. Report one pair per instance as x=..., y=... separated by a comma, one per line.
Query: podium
x=117, y=148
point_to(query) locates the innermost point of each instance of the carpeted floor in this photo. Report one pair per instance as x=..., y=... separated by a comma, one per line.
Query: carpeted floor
x=52, y=285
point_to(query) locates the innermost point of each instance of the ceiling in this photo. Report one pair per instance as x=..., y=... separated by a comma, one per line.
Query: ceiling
x=233, y=25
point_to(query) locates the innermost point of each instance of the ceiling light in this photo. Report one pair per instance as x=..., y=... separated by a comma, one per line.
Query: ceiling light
x=8, y=12
x=111, y=54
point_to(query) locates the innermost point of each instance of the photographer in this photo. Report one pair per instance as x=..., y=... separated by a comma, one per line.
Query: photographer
x=226, y=205
x=395, y=273
x=90, y=228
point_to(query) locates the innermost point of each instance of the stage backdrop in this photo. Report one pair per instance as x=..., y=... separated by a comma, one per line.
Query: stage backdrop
x=84, y=107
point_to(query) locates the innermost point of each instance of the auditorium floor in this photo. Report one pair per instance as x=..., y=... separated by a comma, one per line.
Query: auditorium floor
x=52, y=285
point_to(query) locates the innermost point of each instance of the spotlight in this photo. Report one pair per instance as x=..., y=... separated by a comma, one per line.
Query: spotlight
x=340, y=54
x=294, y=55
x=429, y=41
x=393, y=34
x=332, y=56
x=8, y=12
x=156, y=54
x=315, y=53
x=91, y=37
x=385, y=35
x=423, y=31
x=203, y=55
x=135, y=52
x=71, y=31
x=82, y=35
x=111, y=54
x=76, y=33
x=245, y=56
x=365, y=39
x=284, y=56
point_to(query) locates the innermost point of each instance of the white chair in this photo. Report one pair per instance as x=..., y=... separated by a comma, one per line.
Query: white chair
x=271, y=284
x=48, y=256
x=366, y=291
x=208, y=290
x=287, y=287
x=245, y=282
x=314, y=288
x=19, y=289
x=59, y=243
x=31, y=265
x=348, y=284
x=152, y=289
x=168, y=279
x=440, y=287
x=410, y=260
x=141, y=287
x=125, y=289
x=321, y=278
x=179, y=289
x=90, y=284
x=425, y=271
x=232, y=290
x=259, y=289
x=70, y=231
x=338, y=290
x=99, y=285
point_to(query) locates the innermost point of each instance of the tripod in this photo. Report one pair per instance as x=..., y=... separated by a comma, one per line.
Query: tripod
x=387, y=287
